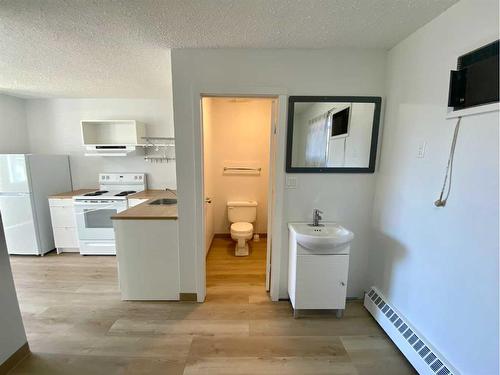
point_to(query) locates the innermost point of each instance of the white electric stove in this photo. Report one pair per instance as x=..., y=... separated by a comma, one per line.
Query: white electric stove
x=94, y=211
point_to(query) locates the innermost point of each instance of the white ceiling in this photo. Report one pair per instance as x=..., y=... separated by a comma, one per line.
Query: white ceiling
x=105, y=48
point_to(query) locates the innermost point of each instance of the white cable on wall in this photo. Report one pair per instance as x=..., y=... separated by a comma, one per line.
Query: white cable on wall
x=441, y=202
x=345, y=145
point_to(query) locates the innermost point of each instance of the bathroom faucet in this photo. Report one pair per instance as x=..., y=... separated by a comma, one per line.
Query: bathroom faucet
x=316, y=217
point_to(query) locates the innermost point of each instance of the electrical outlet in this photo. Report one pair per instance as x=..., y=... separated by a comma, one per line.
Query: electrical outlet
x=291, y=182
x=421, y=150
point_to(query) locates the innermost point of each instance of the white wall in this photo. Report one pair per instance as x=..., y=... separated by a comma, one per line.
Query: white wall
x=439, y=266
x=54, y=127
x=238, y=132
x=346, y=198
x=13, y=128
x=12, y=335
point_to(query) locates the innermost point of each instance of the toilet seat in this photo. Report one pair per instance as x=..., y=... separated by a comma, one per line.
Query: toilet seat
x=242, y=228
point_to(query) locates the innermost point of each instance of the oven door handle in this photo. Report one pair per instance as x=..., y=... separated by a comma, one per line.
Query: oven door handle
x=80, y=204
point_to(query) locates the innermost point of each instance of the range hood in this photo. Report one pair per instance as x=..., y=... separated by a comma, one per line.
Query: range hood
x=110, y=150
x=112, y=137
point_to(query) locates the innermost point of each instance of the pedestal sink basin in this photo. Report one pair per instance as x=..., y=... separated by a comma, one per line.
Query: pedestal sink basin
x=324, y=237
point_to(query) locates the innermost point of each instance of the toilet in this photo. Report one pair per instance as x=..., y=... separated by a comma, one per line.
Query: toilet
x=241, y=215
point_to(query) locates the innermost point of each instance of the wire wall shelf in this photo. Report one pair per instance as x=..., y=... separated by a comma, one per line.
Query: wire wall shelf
x=159, y=149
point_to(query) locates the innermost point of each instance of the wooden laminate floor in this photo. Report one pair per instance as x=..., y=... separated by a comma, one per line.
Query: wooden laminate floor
x=76, y=324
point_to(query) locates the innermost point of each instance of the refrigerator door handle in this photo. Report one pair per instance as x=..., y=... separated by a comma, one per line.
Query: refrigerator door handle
x=14, y=194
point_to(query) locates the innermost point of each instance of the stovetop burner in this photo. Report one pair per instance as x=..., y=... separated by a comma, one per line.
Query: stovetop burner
x=96, y=193
x=125, y=193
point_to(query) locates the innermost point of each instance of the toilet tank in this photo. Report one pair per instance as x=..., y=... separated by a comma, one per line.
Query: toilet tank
x=245, y=211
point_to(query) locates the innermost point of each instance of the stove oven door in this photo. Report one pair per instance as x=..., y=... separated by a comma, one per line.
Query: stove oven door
x=94, y=219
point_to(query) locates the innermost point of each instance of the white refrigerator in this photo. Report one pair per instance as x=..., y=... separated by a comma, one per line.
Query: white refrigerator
x=26, y=182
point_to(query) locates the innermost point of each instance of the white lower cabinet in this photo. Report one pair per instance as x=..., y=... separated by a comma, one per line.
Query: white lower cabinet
x=148, y=259
x=62, y=216
x=64, y=225
x=317, y=279
x=65, y=237
x=321, y=281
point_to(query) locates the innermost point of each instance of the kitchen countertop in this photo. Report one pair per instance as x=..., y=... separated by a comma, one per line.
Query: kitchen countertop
x=70, y=194
x=145, y=211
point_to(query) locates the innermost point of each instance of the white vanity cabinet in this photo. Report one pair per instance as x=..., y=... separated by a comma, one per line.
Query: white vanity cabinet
x=64, y=225
x=317, y=278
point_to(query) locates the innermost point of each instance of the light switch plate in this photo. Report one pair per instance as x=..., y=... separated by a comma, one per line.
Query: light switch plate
x=291, y=182
x=421, y=149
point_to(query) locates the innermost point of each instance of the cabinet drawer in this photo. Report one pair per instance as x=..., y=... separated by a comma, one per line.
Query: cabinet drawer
x=62, y=216
x=98, y=248
x=321, y=281
x=65, y=237
x=54, y=202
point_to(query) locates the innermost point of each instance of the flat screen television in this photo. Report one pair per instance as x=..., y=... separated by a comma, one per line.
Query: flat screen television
x=340, y=124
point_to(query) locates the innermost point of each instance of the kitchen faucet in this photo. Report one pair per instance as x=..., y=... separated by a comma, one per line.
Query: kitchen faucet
x=316, y=217
x=171, y=191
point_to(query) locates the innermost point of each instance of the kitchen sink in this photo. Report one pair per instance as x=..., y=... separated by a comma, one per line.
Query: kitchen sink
x=164, y=201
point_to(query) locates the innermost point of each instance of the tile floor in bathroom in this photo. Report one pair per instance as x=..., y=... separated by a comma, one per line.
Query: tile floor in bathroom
x=76, y=324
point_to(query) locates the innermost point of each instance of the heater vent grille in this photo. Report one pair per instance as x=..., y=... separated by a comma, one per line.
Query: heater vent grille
x=437, y=365
x=444, y=371
x=434, y=364
x=413, y=339
x=424, y=351
x=408, y=334
x=418, y=345
x=431, y=358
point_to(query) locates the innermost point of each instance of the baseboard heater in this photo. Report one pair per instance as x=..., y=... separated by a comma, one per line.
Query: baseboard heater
x=419, y=352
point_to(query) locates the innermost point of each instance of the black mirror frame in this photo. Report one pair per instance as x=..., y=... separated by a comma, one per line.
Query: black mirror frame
x=377, y=100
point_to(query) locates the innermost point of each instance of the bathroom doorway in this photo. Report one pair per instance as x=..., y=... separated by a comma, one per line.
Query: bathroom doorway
x=238, y=138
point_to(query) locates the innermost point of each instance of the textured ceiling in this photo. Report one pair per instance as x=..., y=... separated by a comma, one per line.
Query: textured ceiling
x=105, y=48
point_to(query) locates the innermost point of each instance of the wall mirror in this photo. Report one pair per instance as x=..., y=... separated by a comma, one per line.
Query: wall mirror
x=332, y=134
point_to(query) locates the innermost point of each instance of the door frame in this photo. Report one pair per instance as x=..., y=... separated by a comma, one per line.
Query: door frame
x=280, y=96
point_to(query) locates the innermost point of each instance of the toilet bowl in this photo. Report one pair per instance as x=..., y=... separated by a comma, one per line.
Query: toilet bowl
x=241, y=232
x=241, y=215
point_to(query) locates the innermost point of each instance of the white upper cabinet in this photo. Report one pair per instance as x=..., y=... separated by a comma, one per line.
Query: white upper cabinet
x=113, y=132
